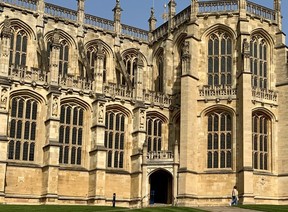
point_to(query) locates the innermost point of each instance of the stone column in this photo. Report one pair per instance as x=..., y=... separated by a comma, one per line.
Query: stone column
x=42, y=48
x=4, y=102
x=194, y=10
x=54, y=59
x=244, y=120
x=175, y=171
x=277, y=8
x=139, y=136
x=80, y=11
x=97, y=154
x=139, y=81
x=51, y=148
x=144, y=190
x=281, y=160
x=99, y=68
x=168, y=65
x=188, y=126
x=5, y=48
x=152, y=24
x=117, y=17
x=172, y=12
x=242, y=8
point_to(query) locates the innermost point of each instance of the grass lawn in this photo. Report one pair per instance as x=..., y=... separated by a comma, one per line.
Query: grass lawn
x=267, y=208
x=66, y=208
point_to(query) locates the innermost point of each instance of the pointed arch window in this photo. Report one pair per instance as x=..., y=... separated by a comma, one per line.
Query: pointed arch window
x=258, y=62
x=219, y=140
x=130, y=62
x=18, y=47
x=63, y=56
x=154, y=134
x=93, y=60
x=219, y=59
x=114, y=139
x=71, y=134
x=261, y=134
x=22, y=129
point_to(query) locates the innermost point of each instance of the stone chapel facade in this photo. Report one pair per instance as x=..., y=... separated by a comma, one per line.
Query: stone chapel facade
x=178, y=114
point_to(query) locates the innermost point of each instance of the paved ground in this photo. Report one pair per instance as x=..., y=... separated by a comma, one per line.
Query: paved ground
x=225, y=209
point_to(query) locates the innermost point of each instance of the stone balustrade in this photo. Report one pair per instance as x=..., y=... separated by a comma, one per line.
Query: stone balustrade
x=260, y=11
x=218, y=6
x=113, y=90
x=204, y=7
x=24, y=75
x=60, y=12
x=157, y=98
x=98, y=22
x=264, y=94
x=217, y=91
x=135, y=32
x=160, y=155
x=26, y=4
x=181, y=17
x=73, y=82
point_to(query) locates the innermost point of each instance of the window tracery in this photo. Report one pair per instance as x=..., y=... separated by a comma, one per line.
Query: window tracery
x=260, y=138
x=219, y=59
x=154, y=134
x=18, y=47
x=71, y=134
x=114, y=138
x=258, y=62
x=219, y=140
x=22, y=131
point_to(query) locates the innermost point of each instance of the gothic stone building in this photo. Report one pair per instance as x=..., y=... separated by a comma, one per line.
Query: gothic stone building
x=178, y=114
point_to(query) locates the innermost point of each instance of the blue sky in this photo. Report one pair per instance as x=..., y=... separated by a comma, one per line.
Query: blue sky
x=136, y=12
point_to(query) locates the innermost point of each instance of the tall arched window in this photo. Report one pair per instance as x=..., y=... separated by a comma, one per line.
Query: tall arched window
x=18, y=47
x=91, y=55
x=159, y=81
x=130, y=62
x=219, y=140
x=22, y=133
x=63, y=56
x=258, y=62
x=260, y=137
x=154, y=134
x=114, y=138
x=219, y=59
x=92, y=59
x=71, y=134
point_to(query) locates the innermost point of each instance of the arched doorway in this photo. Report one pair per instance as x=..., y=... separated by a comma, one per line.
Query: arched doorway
x=160, y=187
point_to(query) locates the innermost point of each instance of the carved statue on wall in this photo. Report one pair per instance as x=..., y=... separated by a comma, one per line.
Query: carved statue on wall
x=142, y=120
x=101, y=113
x=246, y=48
x=4, y=97
x=56, y=37
x=185, y=48
x=55, y=107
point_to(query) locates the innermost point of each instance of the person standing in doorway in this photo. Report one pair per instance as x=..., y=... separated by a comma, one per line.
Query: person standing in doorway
x=235, y=198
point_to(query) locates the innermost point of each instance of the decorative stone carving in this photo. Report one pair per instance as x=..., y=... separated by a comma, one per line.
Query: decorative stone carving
x=185, y=48
x=101, y=113
x=55, y=106
x=56, y=37
x=246, y=48
x=6, y=31
x=142, y=120
x=4, y=97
